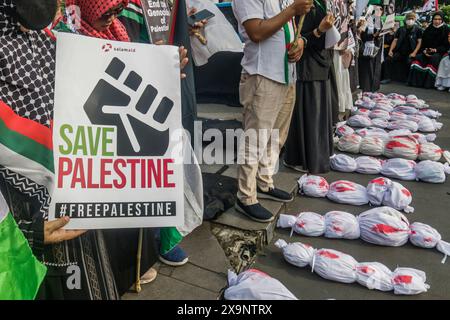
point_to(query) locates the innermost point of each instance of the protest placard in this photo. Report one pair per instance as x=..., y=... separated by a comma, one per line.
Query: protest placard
x=117, y=134
x=158, y=16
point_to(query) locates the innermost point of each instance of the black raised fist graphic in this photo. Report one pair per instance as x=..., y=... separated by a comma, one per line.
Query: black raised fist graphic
x=141, y=124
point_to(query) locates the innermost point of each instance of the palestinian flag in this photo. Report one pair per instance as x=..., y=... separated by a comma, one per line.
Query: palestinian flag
x=21, y=273
x=26, y=149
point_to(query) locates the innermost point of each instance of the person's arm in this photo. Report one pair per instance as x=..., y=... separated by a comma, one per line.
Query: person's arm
x=316, y=37
x=392, y=48
x=416, y=50
x=259, y=29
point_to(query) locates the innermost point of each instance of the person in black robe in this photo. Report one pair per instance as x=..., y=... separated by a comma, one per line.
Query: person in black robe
x=369, y=66
x=310, y=141
x=423, y=70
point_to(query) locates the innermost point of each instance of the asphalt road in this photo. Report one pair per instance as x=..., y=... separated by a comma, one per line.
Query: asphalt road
x=432, y=206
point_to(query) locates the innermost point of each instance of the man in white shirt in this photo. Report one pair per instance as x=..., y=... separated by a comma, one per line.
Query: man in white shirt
x=267, y=92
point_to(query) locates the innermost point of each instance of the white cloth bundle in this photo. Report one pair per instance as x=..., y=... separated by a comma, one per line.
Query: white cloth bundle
x=296, y=253
x=384, y=226
x=417, y=118
x=402, y=147
x=342, y=163
x=398, y=116
x=425, y=236
x=398, y=197
x=428, y=125
x=335, y=224
x=437, y=125
x=367, y=104
x=340, y=267
x=376, y=189
x=417, y=103
x=423, y=138
x=344, y=130
x=399, y=133
x=372, y=146
x=373, y=132
x=384, y=106
x=403, y=124
x=432, y=171
x=313, y=186
x=309, y=224
x=374, y=275
x=380, y=123
x=430, y=151
x=406, y=109
x=341, y=225
x=396, y=96
x=399, y=168
x=409, y=281
x=359, y=121
x=343, y=191
x=361, y=111
x=350, y=143
x=368, y=165
x=430, y=113
x=379, y=114
x=334, y=265
x=255, y=285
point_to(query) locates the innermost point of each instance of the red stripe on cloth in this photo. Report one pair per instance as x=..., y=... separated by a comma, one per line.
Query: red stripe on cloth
x=328, y=254
x=431, y=67
x=50, y=33
x=28, y=128
x=386, y=229
x=173, y=22
x=136, y=2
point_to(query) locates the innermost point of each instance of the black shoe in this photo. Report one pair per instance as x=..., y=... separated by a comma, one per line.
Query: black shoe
x=255, y=211
x=276, y=195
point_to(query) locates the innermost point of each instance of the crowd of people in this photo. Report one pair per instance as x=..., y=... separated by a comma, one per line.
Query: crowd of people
x=418, y=54
x=292, y=82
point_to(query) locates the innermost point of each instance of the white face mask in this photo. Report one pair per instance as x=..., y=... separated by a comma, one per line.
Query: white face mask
x=410, y=22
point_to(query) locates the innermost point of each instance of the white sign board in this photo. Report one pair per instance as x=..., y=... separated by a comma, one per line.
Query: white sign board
x=389, y=24
x=116, y=134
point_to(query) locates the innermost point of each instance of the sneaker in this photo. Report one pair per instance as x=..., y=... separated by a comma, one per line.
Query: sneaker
x=175, y=257
x=149, y=276
x=276, y=195
x=441, y=88
x=296, y=168
x=385, y=81
x=255, y=212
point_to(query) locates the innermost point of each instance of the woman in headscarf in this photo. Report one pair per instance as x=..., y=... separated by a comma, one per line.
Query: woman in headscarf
x=310, y=140
x=27, y=78
x=443, y=76
x=98, y=19
x=423, y=70
x=369, y=61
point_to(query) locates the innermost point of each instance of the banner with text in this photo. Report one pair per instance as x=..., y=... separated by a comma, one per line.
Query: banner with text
x=158, y=17
x=117, y=134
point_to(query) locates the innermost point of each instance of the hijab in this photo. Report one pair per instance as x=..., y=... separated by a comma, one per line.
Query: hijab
x=92, y=10
x=434, y=37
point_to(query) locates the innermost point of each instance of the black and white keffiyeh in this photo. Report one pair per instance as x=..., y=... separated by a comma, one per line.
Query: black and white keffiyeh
x=27, y=74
